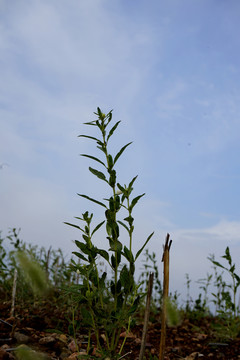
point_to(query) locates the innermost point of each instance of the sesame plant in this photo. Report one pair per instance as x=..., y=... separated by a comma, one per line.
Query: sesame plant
x=107, y=305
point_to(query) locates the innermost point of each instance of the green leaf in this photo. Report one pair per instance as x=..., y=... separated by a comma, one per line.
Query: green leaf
x=129, y=219
x=108, y=229
x=113, y=129
x=97, y=173
x=120, y=152
x=90, y=123
x=237, y=278
x=102, y=149
x=93, y=200
x=135, y=200
x=112, y=178
x=104, y=254
x=139, y=251
x=218, y=264
x=89, y=137
x=110, y=162
x=134, y=307
x=113, y=262
x=124, y=225
x=76, y=226
x=93, y=158
x=128, y=254
x=80, y=256
x=112, y=287
x=119, y=285
x=131, y=183
x=125, y=278
x=121, y=188
x=81, y=246
x=97, y=227
x=86, y=238
x=109, y=116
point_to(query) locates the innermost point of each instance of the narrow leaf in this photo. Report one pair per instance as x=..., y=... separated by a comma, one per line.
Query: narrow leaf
x=128, y=254
x=94, y=158
x=97, y=173
x=120, y=152
x=89, y=137
x=93, y=200
x=80, y=256
x=139, y=251
x=135, y=200
x=104, y=254
x=97, y=227
x=237, y=278
x=113, y=129
x=73, y=225
x=218, y=264
x=90, y=123
x=131, y=183
x=124, y=225
x=80, y=245
x=102, y=149
x=121, y=188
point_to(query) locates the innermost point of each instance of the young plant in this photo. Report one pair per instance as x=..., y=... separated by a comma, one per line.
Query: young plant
x=201, y=304
x=108, y=305
x=228, y=325
x=231, y=303
x=189, y=299
x=220, y=286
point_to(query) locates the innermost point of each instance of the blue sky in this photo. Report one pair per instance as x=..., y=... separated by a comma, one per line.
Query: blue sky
x=170, y=70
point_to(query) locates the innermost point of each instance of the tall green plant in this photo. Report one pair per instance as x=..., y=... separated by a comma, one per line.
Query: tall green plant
x=108, y=305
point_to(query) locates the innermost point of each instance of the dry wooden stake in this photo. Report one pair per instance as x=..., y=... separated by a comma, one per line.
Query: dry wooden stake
x=165, y=260
x=146, y=317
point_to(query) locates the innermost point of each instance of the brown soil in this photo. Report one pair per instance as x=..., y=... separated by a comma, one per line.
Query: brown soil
x=47, y=329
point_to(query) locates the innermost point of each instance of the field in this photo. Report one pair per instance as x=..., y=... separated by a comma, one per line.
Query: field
x=52, y=324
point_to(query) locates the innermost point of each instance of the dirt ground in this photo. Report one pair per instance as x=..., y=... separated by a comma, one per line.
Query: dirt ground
x=46, y=329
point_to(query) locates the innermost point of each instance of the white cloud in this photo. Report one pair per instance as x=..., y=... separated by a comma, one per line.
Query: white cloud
x=222, y=231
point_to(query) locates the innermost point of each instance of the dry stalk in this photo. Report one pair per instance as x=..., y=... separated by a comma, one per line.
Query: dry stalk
x=165, y=260
x=146, y=317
